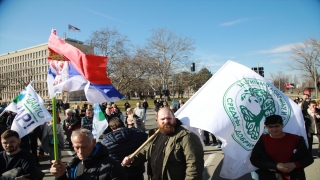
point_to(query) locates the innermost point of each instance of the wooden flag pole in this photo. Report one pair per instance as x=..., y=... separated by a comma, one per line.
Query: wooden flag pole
x=143, y=145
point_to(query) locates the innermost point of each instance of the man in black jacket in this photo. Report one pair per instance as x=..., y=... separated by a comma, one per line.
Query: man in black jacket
x=13, y=158
x=280, y=155
x=145, y=105
x=92, y=161
x=71, y=123
x=122, y=142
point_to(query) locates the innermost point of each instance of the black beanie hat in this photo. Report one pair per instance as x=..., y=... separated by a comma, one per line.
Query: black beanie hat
x=273, y=119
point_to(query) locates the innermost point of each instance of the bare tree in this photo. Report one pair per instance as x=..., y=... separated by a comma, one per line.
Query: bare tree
x=306, y=58
x=110, y=43
x=167, y=52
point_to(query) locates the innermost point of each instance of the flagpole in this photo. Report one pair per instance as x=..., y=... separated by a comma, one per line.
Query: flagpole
x=54, y=126
x=143, y=145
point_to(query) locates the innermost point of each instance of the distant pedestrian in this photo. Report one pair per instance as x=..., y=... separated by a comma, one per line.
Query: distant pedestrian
x=145, y=105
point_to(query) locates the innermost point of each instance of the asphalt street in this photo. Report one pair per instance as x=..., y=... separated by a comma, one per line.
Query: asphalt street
x=213, y=158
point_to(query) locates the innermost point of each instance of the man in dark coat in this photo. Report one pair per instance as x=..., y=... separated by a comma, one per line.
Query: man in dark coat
x=71, y=123
x=280, y=155
x=145, y=105
x=14, y=158
x=92, y=161
x=122, y=142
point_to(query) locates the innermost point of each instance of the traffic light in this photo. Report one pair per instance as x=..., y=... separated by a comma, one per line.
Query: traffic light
x=193, y=67
x=259, y=70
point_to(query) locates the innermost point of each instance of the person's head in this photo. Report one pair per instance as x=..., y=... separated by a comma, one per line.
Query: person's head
x=69, y=113
x=165, y=103
x=138, y=104
x=144, y=100
x=107, y=110
x=10, y=141
x=274, y=124
x=129, y=111
x=305, y=96
x=116, y=110
x=116, y=123
x=83, y=143
x=172, y=108
x=114, y=105
x=312, y=106
x=89, y=112
x=166, y=121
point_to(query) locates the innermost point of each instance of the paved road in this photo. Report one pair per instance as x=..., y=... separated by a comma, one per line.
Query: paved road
x=213, y=159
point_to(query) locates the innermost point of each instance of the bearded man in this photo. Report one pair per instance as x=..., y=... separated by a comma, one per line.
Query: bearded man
x=174, y=154
x=15, y=163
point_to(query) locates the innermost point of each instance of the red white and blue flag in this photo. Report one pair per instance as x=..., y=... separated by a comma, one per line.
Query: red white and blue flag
x=73, y=28
x=72, y=70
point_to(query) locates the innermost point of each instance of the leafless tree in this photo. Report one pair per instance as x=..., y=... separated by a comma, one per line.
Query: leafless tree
x=168, y=52
x=306, y=58
x=110, y=43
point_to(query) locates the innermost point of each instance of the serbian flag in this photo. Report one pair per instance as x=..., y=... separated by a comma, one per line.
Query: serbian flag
x=72, y=70
x=234, y=103
x=73, y=28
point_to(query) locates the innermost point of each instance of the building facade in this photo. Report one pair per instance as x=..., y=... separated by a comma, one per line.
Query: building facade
x=20, y=67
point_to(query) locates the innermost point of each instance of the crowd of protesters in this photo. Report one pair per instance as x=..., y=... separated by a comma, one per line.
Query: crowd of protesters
x=125, y=133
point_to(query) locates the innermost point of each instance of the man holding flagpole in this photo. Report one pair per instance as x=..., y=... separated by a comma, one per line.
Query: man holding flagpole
x=174, y=154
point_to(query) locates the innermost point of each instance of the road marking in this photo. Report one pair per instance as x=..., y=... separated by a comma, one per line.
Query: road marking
x=70, y=153
x=209, y=160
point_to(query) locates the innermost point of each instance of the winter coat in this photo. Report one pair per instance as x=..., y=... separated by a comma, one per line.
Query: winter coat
x=268, y=168
x=183, y=157
x=99, y=166
x=47, y=136
x=86, y=122
x=124, y=142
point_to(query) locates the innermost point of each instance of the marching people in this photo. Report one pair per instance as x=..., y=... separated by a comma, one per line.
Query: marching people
x=92, y=161
x=86, y=122
x=16, y=163
x=175, y=153
x=280, y=155
x=123, y=141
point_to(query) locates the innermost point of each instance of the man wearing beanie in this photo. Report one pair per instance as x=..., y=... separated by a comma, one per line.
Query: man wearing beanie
x=280, y=155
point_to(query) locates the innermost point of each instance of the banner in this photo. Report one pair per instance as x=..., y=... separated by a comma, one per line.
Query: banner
x=100, y=123
x=30, y=111
x=234, y=104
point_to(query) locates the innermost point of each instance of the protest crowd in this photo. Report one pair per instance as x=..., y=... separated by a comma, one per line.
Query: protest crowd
x=126, y=133
x=169, y=152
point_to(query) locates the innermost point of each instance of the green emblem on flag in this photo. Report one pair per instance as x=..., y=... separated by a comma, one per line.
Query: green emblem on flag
x=248, y=102
x=20, y=96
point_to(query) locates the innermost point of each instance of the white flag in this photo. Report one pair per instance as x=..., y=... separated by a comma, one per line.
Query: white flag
x=99, y=122
x=30, y=111
x=234, y=104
